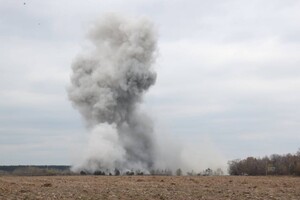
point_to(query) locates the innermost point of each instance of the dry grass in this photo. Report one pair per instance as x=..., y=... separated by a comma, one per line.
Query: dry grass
x=149, y=187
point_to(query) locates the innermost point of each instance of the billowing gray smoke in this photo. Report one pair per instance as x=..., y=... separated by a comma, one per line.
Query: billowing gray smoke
x=107, y=84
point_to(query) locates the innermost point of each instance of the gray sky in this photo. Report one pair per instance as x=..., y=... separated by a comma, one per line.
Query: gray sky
x=228, y=74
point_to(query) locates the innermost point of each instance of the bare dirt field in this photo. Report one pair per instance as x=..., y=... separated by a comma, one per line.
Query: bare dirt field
x=149, y=187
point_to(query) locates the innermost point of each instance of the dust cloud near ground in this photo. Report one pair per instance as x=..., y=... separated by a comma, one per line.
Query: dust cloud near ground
x=149, y=187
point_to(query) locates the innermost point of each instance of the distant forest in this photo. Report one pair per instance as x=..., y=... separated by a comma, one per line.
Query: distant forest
x=35, y=170
x=288, y=164
x=275, y=164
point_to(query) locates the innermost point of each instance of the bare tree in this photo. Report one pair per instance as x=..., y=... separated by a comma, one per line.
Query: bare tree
x=178, y=172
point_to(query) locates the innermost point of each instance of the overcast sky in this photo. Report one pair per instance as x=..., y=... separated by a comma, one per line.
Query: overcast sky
x=228, y=74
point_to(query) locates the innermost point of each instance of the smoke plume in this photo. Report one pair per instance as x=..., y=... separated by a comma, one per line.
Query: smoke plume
x=107, y=86
x=108, y=82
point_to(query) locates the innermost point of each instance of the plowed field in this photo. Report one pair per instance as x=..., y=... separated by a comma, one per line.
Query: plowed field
x=149, y=187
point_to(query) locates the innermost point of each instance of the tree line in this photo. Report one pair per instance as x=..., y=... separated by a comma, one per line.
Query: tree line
x=35, y=170
x=155, y=172
x=288, y=164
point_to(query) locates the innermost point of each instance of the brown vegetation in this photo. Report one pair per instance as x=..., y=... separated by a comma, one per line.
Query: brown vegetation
x=275, y=164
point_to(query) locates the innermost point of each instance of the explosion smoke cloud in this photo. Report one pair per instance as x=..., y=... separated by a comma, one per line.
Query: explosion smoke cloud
x=106, y=87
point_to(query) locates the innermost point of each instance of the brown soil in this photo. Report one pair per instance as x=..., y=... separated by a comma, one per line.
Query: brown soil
x=149, y=187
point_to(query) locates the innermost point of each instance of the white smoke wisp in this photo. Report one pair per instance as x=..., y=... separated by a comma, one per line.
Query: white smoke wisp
x=107, y=86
